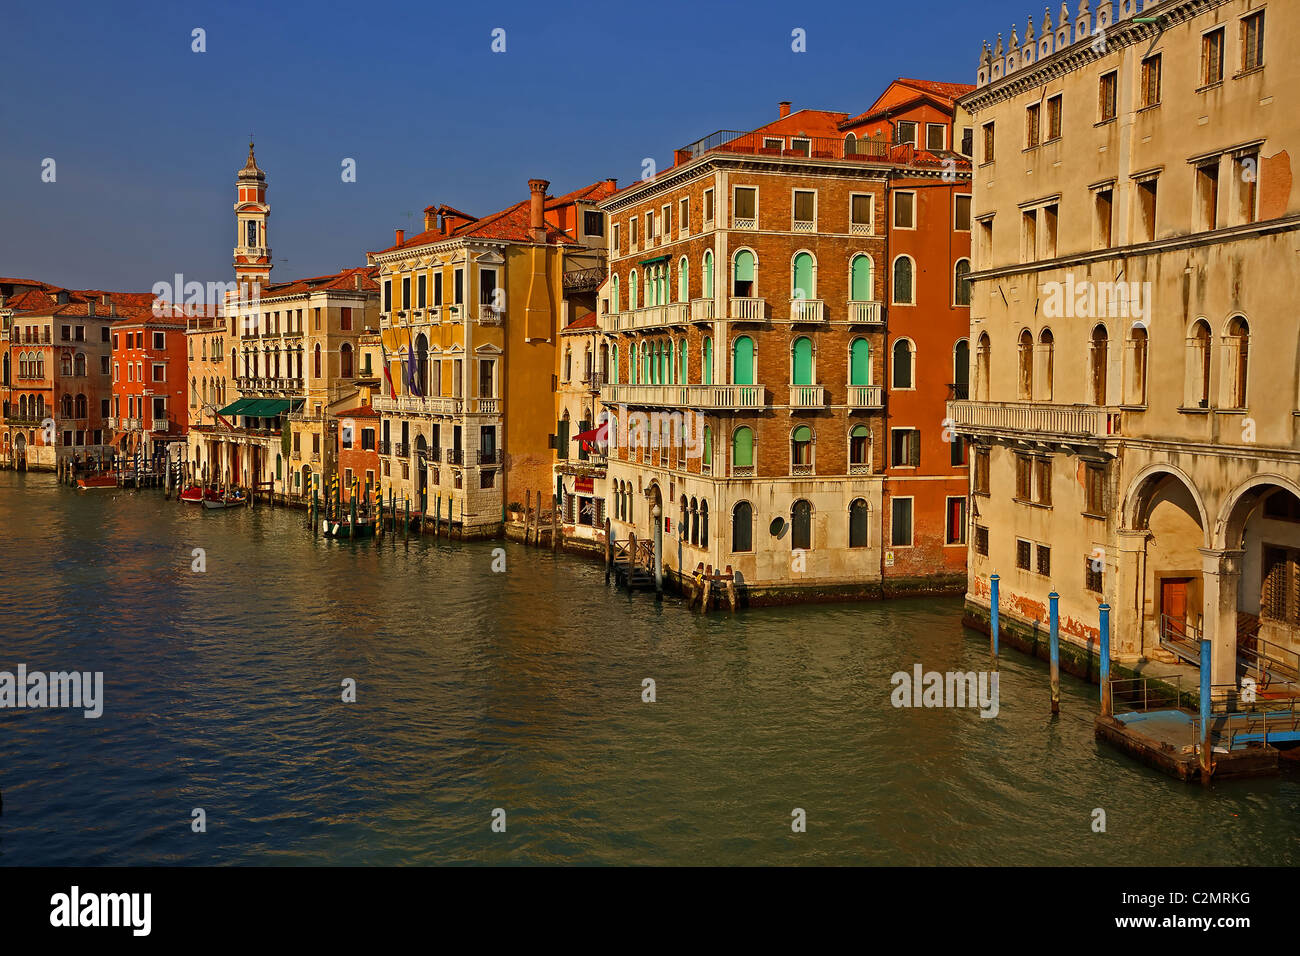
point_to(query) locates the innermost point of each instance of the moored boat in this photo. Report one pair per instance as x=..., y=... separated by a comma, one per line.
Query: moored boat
x=216, y=500
x=97, y=481
x=193, y=495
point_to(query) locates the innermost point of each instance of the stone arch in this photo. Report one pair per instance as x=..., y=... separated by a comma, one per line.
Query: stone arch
x=1143, y=491
x=1242, y=502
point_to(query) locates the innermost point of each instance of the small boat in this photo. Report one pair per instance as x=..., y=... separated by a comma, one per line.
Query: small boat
x=97, y=481
x=193, y=495
x=215, y=500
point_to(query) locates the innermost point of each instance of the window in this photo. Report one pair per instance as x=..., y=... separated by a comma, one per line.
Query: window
x=1252, y=41
x=1137, y=366
x=684, y=216
x=1104, y=207
x=1197, y=391
x=745, y=208
x=388, y=300
x=957, y=452
x=1032, y=125
x=1146, y=210
x=1246, y=175
x=649, y=226
x=159, y=341
x=900, y=524
x=1212, y=58
x=955, y=521
x=1106, y=97
x=458, y=290
x=742, y=448
x=858, y=524
x=801, y=442
x=1024, y=554
x=1054, y=118
x=861, y=214
x=805, y=210
x=742, y=527
x=1043, y=481
x=981, y=471
x=801, y=526
x=967, y=141
x=988, y=143
x=159, y=372
x=1029, y=235
x=902, y=377
x=961, y=212
x=1092, y=574
x=1098, y=361
x=1151, y=81
x=936, y=137
x=593, y=223
x=1207, y=194
x=1238, y=361
x=743, y=285
x=982, y=541
x=487, y=378
x=961, y=282
x=859, y=447
x=905, y=132
x=904, y=293
x=708, y=205
x=1094, y=490
x=904, y=447
x=904, y=210
x=1044, y=556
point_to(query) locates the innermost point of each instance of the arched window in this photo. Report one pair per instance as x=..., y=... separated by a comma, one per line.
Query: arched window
x=859, y=449
x=1098, y=359
x=742, y=448
x=613, y=365
x=67, y=406
x=904, y=294
x=743, y=284
x=801, y=361
x=803, y=281
x=707, y=453
x=902, y=364
x=1025, y=356
x=961, y=282
x=983, y=357
x=632, y=302
x=695, y=521
x=708, y=360
x=613, y=295
x=1197, y=390
x=860, y=362
x=421, y=362
x=801, y=526
x=801, y=443
x=1238, y=359
x=316, y=362
x=858, y=523
x=861, y=281
x=79, y=364
x=850, y=145
x=742, y=527
x=704, y=523
x=568, y=363
x=194, y=391
x=1046, y=347
x=683, y=377
x=961, y=369
x=683, y=280
x=684, y=519
x=708, y=274
x=742, y=361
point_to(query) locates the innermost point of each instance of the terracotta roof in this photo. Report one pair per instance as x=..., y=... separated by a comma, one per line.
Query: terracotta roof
x=512, y=224
x=361, y=411
x=944, y=94
x=588, y=321
x=43, y=302
x=339, y=281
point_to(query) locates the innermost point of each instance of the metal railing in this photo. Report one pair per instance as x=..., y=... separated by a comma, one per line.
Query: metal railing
x=1180, y=638
x=769, y=144
x=1142, y=694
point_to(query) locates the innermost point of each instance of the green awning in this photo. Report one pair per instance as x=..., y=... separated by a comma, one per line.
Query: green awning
x=656, y=259
x=237, y=407
x=267, y=408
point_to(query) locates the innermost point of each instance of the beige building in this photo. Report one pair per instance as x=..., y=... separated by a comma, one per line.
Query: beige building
x=1136, y=400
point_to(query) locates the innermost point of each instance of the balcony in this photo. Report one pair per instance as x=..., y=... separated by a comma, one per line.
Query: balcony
x=804, y=225
x=748, y=309
x=807, y=310
x=455, y=456
x=1035, y=420
x=418, y=405
x=385, y=448
x=490, y=456
x=161, y=426
x=487, y=406
x=400, y=449
x=686, y=396
x=487, y=315
x=110, y=422
x=865, y=313
x=701, y=310
x=866, y=396
x=807, y=396
x=651, y=317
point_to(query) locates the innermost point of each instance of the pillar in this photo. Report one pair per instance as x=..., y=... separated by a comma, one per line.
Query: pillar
x=1128, y=600
x=1220, y=577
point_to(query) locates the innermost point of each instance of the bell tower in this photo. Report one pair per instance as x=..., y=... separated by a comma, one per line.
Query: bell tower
x=252, y=251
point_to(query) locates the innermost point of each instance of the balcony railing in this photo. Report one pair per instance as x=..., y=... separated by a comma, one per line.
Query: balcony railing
x=455, y=456
x=807, y=396
x=807, y=310
x=748, y=309
x=400, y=449
x=161, y=425
x=686, y=396
x=766, y=144
x=701, y=310
x=385, y=447
x=488, y=406
x=865, y=396
x=1072, y=421
x=865, y=313
x=487, y=315
x=110, y=422
x=491, y=456
x=418, y=405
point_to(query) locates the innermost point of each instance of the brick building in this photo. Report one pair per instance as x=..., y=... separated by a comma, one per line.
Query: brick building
x=150, y=366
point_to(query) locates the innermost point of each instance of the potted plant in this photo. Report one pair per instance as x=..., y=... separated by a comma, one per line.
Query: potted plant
x=516, y=511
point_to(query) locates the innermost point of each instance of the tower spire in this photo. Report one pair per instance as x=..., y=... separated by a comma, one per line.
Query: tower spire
x=252, y=248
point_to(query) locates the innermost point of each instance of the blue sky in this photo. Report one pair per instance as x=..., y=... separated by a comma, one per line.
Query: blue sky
x=147, y=135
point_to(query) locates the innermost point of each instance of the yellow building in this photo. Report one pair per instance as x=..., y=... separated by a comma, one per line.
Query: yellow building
x=470, y=311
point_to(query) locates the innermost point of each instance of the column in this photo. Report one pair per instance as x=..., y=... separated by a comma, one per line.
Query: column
x=1129, y=598
x=1220, y=577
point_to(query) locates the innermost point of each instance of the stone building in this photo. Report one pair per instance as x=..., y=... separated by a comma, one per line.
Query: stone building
x=1135, y=363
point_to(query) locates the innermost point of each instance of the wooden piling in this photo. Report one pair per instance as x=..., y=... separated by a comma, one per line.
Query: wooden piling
x=1054, y=643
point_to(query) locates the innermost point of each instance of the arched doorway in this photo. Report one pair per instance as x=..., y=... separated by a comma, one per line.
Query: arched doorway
x=20, y=452
x=421, y=466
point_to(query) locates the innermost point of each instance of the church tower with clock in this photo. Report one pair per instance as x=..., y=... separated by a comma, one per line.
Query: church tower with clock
x=252, y=251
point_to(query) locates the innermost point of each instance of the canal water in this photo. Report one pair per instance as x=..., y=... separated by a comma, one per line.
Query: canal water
x=522, y=690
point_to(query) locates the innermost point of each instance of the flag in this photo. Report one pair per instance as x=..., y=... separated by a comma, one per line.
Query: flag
x=412, y=377
x=388, y=375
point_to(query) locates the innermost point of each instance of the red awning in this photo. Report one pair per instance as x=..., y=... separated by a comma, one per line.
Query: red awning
x=593, y=437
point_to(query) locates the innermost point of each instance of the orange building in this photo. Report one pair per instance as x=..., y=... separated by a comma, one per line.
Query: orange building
x=926, y=497
x=358, y=452
x=150, y=366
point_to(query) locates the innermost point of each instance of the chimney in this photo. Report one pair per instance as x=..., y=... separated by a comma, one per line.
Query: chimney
x=537, y=202
x=783, y=108
x=445, y=223
x=356, y=280
x=401, y=237
x=430, y=218
x=612, y=183
x=90, y=307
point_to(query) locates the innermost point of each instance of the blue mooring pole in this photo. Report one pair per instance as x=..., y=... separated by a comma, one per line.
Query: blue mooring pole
x=1105, y=659
x=993, y=616
x=1054, y=643
x=1206, y=767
